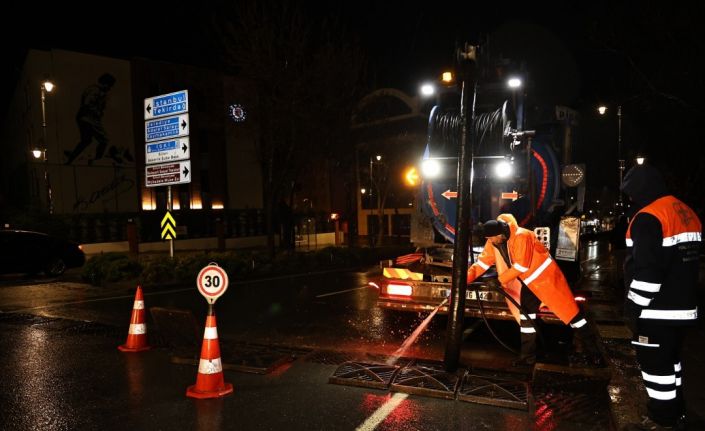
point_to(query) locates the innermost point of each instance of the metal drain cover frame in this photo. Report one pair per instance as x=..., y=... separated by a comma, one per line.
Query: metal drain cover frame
x=352, y=373
x=427, y=378
x=495, y=390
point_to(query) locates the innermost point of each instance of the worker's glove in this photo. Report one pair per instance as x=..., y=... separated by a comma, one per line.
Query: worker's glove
x=493, y=283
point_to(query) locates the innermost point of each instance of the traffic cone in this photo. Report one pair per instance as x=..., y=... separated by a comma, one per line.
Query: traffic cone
x=137, y=334
x=209, y=381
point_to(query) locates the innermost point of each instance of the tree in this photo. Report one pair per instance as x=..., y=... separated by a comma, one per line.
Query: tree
x=308, y=76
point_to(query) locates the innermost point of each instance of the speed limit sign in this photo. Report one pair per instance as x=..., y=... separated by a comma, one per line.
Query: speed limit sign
x=212, y=282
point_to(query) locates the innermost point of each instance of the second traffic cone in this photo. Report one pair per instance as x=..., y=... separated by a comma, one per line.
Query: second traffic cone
x=137, y=334
x=210, y=382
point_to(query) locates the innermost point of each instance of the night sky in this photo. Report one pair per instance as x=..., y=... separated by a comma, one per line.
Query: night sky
x=646, y=54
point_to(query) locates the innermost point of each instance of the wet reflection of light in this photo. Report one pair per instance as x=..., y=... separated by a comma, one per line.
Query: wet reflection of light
x=615, y=394
x=544, y=420
x=209, y=414
x=592, y=251
x=42, y=384
x=134, y=373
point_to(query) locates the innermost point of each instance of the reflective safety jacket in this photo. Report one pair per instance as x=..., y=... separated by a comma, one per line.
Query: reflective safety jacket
x=661, y=272
x=530, y=263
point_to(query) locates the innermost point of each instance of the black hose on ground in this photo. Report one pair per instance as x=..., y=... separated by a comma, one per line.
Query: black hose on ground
x=521, y=309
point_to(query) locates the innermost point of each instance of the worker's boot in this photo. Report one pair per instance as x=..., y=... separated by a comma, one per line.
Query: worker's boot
x=527, y=354
x=585, y=347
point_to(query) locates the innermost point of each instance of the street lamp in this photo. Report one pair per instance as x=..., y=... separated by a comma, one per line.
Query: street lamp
x=45, y=87
x=640, y=160
x=602, y=110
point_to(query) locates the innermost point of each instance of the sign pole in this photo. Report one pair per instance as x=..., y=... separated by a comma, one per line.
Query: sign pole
x=169, y=206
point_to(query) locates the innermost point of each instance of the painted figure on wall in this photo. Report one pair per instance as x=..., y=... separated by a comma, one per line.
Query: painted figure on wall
x=89, y=120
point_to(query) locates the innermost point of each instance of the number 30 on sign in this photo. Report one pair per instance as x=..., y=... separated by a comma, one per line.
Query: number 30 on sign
x=212, y=282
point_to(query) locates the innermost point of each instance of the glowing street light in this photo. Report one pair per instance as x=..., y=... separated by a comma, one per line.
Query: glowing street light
x=428, y=90
x=640, y=160
x=514, y=82
x=503, y=169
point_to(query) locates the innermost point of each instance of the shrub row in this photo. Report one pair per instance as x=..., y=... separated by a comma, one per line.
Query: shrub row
x=184, y=267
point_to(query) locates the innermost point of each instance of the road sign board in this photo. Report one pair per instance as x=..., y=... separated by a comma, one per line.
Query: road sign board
x=167, y=174
x=166, y=104
x=212, y=282
x=168, y=224
x=168, y=127
x=170, y=150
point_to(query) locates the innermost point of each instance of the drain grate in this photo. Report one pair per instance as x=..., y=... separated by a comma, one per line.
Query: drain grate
x=495, y=390
x=377, y=376
x=426, y=378
x=329, y=357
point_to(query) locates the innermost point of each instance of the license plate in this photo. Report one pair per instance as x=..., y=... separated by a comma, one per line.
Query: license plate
x=469, y=294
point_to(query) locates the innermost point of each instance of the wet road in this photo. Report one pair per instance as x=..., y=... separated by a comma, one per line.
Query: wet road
x=61, y=368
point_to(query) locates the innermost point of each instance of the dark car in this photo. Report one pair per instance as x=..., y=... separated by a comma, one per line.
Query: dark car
x=34, y=252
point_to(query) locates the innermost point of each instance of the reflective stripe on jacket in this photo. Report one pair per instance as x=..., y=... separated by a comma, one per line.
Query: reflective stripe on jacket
x=664, y=240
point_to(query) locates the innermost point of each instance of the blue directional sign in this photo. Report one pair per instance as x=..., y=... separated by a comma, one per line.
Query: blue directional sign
x=170, y=150
x=164, y=128
x=166, y=104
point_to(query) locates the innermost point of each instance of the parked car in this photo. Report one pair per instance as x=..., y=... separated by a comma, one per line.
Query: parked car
x=34, y=252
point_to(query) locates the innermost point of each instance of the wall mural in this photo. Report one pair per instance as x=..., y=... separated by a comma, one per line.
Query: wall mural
x=89, y=120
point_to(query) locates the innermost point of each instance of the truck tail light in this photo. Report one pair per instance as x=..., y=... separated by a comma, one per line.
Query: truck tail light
x=399, y=289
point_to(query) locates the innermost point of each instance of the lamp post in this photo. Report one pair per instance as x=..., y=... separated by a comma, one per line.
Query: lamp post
x=45, y=87
x=602, y=109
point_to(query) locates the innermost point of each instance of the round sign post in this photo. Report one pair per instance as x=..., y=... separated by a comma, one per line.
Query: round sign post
x=212, y=282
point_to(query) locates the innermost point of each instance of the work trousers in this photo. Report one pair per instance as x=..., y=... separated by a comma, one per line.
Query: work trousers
x=658, y=351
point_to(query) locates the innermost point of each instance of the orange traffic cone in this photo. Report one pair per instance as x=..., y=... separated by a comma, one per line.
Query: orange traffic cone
x=137, y=334
x=209, y=381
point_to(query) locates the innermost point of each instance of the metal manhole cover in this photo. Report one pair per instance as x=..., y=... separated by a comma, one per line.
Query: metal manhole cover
x=327, y=357
x=426, y=378
x=377, y=376
x=495, y=391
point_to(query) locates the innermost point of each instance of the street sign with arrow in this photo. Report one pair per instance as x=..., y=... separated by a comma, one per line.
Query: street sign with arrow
x=167, y=174
x=165, y=128
x=166, y=104
x=171, y=150
x=168, y=226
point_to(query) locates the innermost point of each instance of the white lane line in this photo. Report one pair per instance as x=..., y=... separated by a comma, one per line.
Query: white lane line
x=110, y=298
x=382, y=412
x=340, y=291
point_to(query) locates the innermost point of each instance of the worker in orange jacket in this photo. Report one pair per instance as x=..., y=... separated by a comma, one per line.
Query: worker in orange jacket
x=529, y=275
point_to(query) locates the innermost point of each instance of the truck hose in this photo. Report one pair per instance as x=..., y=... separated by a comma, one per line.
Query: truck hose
x=521, y=309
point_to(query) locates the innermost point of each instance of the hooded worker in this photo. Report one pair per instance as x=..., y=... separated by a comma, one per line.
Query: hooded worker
x=529, y=275
x=661, y=270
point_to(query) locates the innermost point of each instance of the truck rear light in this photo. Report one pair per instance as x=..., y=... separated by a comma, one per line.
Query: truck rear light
x=399, y=289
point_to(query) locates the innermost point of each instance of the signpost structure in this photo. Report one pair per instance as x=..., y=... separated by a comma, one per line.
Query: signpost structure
x=167, y=148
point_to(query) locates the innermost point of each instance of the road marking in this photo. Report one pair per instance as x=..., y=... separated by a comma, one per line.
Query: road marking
x=110, y=298
x=341, y=291
x=382, y=412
